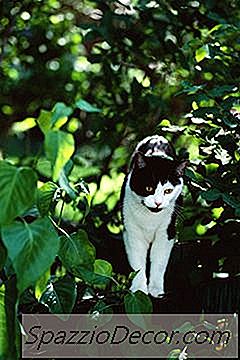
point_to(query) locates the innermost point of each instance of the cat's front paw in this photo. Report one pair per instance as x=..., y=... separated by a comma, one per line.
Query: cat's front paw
x=139, y=283
x=156, y=291
x=142, y=288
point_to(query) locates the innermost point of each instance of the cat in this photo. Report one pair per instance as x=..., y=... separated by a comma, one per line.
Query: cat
x=150, y=198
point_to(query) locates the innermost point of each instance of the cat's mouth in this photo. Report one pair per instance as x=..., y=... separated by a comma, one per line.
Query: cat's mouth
x=155, y=210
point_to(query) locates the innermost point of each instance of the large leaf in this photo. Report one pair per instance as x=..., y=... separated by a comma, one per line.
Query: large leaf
x=17, y=191
x=60, y=295
x=86, y=106
x=45, y=197
x=137, y=303
x=32, y=249
x=77, y=253
x=59, y=147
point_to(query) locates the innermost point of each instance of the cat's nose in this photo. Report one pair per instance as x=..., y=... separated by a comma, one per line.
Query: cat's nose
x=158, y=203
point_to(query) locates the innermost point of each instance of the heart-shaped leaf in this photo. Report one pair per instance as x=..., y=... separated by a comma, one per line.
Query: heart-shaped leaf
x=32, y=249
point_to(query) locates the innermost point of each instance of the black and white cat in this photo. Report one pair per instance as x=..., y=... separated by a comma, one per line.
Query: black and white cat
x=151, y=193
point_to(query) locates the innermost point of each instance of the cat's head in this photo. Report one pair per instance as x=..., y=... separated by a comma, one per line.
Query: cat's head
x=157, y=181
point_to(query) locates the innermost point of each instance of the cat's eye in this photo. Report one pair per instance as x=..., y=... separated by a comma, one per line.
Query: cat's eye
x=149, y=188
x=168, y=191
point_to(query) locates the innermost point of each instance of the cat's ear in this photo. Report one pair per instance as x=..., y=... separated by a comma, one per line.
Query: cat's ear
x=181, y=167
x=139, y=160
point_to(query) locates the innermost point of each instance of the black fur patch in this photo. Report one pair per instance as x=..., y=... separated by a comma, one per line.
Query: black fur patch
x=155, y=170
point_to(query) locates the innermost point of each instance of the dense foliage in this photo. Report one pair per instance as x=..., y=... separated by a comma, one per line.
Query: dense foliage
x=81, y=82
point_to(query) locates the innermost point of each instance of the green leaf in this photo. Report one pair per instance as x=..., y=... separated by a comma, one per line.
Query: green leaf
x=53, y=120
x=102, y=273
x=202, y=53
x=60, y=295
x=17, y=191
x=190, y=89
x=86, y=106
x=60, y=115
x=59, y=147
x=45, y=197
x=222, y=90
x=137, y=303
x=44, y=121
x=77, y=253
x=32, y=249
x=231, y=200
x=211, y=195
x=63, y=180
x=103, y=268
x=24, y=125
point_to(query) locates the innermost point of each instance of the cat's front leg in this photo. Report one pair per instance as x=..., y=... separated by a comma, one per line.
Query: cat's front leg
x=159, y=256
x=136, y=248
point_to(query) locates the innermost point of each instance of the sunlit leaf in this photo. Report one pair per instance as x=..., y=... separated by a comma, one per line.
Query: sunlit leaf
x=202, y=53
x=59, y=147
x=60, y=115
x=21, y=126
